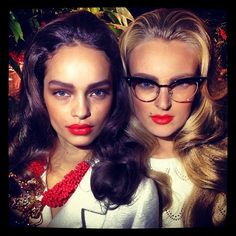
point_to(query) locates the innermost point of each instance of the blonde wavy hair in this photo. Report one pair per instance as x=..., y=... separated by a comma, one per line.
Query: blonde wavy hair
x=201, y=144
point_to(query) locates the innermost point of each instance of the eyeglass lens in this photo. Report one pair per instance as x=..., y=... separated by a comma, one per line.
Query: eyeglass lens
x=179, y=92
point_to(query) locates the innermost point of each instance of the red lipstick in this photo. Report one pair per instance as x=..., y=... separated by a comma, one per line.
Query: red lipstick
x=83, y=129
x=162, y=119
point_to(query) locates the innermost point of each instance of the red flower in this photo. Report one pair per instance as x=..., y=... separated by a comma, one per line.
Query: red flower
x=14, y=56
x=223, y=34
x=42, y=23
x=19, y=58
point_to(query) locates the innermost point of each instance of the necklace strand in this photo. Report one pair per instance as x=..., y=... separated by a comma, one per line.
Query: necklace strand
x=28, y=205
x=58, y=195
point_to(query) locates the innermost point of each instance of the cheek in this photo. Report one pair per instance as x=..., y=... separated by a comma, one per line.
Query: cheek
x=182, y=112
x=102, y=111
x=51, y=108
x=55, y=116
x=141, y=109
x=56, y=112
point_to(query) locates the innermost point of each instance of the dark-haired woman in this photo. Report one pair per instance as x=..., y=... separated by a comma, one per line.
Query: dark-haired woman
x=71, y=163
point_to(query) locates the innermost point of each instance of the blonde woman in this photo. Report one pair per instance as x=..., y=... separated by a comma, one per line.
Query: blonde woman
x=176, y=101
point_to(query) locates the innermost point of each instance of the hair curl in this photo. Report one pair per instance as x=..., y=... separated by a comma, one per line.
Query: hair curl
x=120, y=170
x=201, y=144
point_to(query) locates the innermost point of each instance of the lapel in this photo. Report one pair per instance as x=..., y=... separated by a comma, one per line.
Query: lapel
x=82, y=210
x=93, y=218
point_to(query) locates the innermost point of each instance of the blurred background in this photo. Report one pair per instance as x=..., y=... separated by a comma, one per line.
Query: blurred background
x=24, y=23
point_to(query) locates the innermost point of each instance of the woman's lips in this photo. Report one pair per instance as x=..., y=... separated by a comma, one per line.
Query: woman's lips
x=80, y=129
x=162, y=119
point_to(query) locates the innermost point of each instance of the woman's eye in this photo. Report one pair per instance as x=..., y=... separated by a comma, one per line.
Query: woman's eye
x=182, y=85
x=61, y=93
x=100, y=93
x=145, y=85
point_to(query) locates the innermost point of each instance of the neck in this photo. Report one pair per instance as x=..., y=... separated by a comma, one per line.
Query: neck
x=165, y=149
x=66, y=157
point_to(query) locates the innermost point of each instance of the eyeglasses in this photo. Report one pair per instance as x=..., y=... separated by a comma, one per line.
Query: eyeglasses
x=181, y=90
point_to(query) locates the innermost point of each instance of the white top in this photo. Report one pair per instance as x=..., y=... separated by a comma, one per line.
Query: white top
x=181, y=189
x=83, y=210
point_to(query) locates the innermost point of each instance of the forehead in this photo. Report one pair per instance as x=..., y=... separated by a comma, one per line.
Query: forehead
x=163, y=59
x=77, y=65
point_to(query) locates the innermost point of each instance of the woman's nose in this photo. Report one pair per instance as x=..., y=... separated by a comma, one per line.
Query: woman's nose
x=163, y=100
x=81, y=108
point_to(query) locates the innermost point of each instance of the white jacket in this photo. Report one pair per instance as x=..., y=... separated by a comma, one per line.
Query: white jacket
x=82, y=210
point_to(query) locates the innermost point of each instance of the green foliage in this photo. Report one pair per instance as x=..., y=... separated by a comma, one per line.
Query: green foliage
x=117, y=18
x=23, y=23
x=15, y=27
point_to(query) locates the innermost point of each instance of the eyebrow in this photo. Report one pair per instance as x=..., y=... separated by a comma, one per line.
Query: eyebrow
x=156, y=79
x=72, y=87
x=61, y=84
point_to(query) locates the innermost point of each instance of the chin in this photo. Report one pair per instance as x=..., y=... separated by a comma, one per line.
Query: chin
x=164, y=135
x=82, y=143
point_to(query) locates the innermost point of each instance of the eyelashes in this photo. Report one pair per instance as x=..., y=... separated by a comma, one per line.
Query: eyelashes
x=61, y=93
x=98, y=93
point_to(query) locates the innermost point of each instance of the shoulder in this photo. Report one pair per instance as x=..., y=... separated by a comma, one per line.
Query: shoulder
x=147, y=190
x=147, y=183
x=145, y=205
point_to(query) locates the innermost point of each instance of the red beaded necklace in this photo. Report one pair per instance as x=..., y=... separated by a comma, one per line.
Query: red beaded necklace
x=58, y=195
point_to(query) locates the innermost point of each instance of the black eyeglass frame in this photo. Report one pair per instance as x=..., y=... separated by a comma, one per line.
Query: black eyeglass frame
x=134, y=80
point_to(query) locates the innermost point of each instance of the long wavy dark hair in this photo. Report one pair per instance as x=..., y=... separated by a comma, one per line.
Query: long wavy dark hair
x=31, y=136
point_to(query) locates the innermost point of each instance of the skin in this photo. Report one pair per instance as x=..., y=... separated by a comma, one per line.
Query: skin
x=77, y=90
x=72, y=93
x=163, y=62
